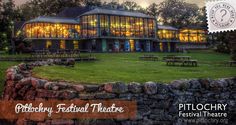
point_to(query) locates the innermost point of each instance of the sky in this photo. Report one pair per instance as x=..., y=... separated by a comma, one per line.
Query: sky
x=143, y=3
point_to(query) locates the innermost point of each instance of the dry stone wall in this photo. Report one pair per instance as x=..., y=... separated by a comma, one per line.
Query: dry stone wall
x=157, y=103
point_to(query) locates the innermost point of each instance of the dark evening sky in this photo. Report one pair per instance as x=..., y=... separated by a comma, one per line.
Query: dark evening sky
x=143, y=3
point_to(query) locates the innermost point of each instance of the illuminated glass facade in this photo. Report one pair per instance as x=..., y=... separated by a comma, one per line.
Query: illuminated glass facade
x=89, y=26
x=51, y=30
x=105, y=30
x=116, y=26
x=165, y=34
x=121, y=26
x=190, y=35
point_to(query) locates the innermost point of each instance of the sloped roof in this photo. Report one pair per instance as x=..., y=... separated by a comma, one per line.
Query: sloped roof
x=53, y=20
x=73, y=12
x=116, y=12
x=18, y=25
x=195, y=27
x=166, y=27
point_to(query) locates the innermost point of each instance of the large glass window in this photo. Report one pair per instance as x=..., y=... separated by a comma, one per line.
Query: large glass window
x=128, y=27
x=122, y=26
x=76, y=44
x=110, y=25
x=151, y=32
x=51, y=30
x=167, y=34
x=145, y=28
x=48, y=44
x=89, y=26
x=192, y=35
x=136, y=27
x=104, y=28
x=62, y=44
x=115, y=26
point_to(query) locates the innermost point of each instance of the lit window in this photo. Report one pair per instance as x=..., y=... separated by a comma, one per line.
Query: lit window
x=62, y=44
x=132, y=45
x=161, y=46
x=48, y=44
x=76, y=44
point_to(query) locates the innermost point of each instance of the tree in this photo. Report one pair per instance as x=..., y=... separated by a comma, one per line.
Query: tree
x=132, y=6
x=152, y=10
x=112, y=4
x=178, y=13
x=35, y=8
x=201, y=17
x=92, y=2
x=222, y=44
x=8, y=15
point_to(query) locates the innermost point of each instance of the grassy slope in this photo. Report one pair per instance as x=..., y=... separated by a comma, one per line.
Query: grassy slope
x=126, y=67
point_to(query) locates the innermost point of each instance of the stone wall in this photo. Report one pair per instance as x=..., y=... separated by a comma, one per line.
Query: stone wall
x=157, y=103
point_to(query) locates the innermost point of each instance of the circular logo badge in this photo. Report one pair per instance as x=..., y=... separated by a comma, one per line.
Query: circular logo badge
x=222, y=15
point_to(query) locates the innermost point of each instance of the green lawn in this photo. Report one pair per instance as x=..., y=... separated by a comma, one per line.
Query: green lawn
x=127, y=67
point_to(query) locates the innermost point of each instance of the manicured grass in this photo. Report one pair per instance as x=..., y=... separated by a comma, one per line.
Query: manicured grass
x=127, y=67
x=3, y=67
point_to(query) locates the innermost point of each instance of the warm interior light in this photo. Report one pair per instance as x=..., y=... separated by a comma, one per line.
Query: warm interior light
x=48, y=44
x=41, y=30
x=192, y=35
x=131, y=45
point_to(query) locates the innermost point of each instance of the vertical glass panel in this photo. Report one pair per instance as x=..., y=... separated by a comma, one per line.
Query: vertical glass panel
x=77, y=31
x=132, y=46
x=128, y=27
x=89, y=26
x=76, y=44
x=104, y=25
x=117, y=26
x=33, y=29
x=28, y=31
x=136, y=27
x=47, y=30
x=53, y=30
x=150, y=27
x=184, y=35
x=84, y=26
x=161, y=46
x=48, y=44
x=65, y=31
x=145, y=28
x=132, y=26
x=141, y=27
x=40, y=29
x=62, y=44
x=112, y=25
x=122, y=26
x=160, y=34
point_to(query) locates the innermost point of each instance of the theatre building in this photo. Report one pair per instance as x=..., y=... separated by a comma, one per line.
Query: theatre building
x=101, y=30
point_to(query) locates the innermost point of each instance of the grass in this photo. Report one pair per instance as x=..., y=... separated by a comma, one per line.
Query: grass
x=127, y=67
x=3, y=67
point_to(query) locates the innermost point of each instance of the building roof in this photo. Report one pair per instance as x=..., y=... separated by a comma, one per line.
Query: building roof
x=73, y=12
x=166, y=27
x=116, y=12
x=195, y=27
x=18, y=25
x=53, y=20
